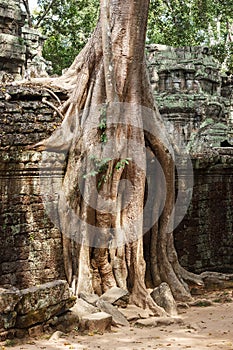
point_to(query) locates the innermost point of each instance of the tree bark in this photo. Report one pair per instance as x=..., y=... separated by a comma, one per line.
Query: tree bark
x=109, y=94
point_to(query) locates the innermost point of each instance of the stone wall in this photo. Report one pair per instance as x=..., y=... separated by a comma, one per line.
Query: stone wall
x=196, y=101
x=204, y=239
x=187, y=86
x=35, y=65
x=30, y=245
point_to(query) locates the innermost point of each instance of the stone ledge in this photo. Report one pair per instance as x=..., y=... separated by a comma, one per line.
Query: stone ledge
x=35, y=298
x=8, y=299
x=28, y=307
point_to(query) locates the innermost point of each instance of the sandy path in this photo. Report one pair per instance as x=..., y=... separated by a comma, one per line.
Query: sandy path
x=203, y=328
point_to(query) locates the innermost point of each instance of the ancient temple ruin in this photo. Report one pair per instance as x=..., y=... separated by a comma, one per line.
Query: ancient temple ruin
x=196, y=101
x=190, y=93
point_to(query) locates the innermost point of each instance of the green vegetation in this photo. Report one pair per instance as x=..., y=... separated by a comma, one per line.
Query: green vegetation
x=10, y=343
x=69, y=23
x=122, y=163
x=100, y=167
x=103, y=124
x=68, y=26
x=194, y=22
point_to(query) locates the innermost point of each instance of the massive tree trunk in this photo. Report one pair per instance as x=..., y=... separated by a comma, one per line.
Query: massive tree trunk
x=112, y=193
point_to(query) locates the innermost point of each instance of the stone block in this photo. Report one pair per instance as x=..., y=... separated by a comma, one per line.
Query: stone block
x=133, y=313
x=56, y=336
x=117, y=317
x=163, y=297
x=65, y=322
x=41, y=315
x=82, y=308
x=99, y=321
x=10, y=10
x=7, y=320
x=10, y=334
x=158, y=321
x=43, y=296
x=35, y=331
x=90, y=298
x=148, y=322
x=114, y=294
x=8, y=299
x=21, y=333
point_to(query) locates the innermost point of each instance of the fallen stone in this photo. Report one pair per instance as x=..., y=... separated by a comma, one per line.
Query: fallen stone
x=158, y=321
x=65, y=322
x=166, y=321
x=121, y=303
x=217, y=280
x=114, y=294
x=8, y=299
x=7, y=320
x=42, y=315
x=148, y=322
x=163, y=297
x=56, y=335
x=201, y=303
x=43, y=296
x=99, y=322
x=35, y=331
x=10, y=334
x=90, y=298
x=117, y=317
x=21, y=333
x=82, y=308
x=132, y=313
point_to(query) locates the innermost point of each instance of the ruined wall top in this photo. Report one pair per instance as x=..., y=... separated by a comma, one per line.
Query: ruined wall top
x=12, y=17
x=12, y=48
x=20, y=46
x=188, y=87
x=184, y=69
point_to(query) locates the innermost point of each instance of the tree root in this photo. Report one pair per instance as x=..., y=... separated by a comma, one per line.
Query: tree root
x=54, y=95
x=44, y=100
x=191, y=278
x=145, y=301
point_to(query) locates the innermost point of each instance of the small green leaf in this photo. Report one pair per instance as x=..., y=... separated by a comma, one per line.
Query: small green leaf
x=103, y=138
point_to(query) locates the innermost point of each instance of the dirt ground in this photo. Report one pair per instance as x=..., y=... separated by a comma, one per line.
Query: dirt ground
x=202, y=328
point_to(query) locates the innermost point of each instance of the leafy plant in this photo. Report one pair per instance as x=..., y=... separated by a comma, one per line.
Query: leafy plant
x=122, y=163
x=103, y=124
x=100, y=165
x=103, y=138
